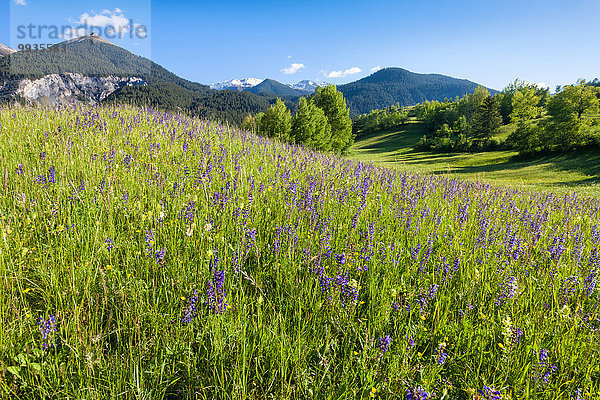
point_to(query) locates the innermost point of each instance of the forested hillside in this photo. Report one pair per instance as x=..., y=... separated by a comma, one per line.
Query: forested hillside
x=225, y=105
x=390, y=86
x=93, y=56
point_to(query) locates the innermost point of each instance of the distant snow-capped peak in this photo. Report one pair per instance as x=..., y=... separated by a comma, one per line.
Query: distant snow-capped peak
x=247, y=83
x=237, y=84
x=307, y=85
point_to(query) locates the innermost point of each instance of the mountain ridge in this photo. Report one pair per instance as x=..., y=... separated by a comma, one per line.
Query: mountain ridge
x=139, y=80
x=247, y=84
x=91, y=70
x=271, y=86
x=236, y=84
x=394, y=85
x=383, y=88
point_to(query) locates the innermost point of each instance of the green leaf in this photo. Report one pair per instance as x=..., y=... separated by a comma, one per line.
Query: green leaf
x=21, y=359
x=14, y=370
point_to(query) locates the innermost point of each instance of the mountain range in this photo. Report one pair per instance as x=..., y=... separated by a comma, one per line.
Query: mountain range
x=267, y=85
x=92, y=70
x=237, y=84
x=384, y=88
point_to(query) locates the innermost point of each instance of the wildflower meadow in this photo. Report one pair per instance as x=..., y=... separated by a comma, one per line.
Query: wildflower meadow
x=156, y=256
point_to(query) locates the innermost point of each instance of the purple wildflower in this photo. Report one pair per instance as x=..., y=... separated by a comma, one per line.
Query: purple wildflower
x=215, y=292
x=441, y=354
x=190, y=312
x=489, y=393
x=149, y=241
x=250, y=238
x=414, y=253
x=348, y=290
x=384, y=344
x=52, y=174
x=48, y=330
x=509, y=290
x=516, y=334
x=159, y=256
x=545, y=369
x=417, y=393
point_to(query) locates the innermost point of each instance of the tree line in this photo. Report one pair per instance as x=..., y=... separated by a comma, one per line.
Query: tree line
x=377, y=120
x=322, y=121
x=541, y=122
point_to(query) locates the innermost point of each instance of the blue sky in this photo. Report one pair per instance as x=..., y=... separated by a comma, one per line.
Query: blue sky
x=492, y=43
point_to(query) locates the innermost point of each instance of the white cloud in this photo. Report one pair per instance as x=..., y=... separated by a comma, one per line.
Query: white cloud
x=377, y=68
x=342, y=74
x=20, y=2
x=289, y=57
x=107, y=23
x=106, y=19
x=542, y=85
x=295, y=67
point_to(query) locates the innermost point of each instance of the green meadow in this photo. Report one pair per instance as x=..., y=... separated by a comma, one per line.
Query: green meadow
x=577, y=172
x=145, y=255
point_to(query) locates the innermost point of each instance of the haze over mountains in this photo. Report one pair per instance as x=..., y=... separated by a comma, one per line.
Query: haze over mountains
x=90, y=69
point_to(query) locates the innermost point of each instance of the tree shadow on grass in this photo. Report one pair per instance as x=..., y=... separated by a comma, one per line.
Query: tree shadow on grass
x=388, y=141
x=587, y=164
x=397, y=146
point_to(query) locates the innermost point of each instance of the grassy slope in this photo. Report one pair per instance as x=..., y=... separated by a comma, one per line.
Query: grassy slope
x=342, y=281
x=565, y=173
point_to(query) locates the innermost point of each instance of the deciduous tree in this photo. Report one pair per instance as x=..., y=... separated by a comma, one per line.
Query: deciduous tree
x=277, y=122
x=334, y=105
x=310, y=126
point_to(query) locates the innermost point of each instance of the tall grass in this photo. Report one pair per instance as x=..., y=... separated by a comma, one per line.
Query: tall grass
x=147, y=255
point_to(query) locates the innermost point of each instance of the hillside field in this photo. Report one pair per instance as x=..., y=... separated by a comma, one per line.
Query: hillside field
x=577, y=172
x=146, y=255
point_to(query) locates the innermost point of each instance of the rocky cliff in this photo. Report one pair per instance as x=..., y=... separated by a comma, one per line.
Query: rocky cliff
x=68, y=88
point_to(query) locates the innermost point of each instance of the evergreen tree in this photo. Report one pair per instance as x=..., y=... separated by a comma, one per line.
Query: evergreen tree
x=310, y=126
x=333, y=104
x=486, y=119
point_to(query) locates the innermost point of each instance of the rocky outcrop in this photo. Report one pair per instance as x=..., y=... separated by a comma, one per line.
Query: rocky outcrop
x=5, y=50
x=72, y=88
